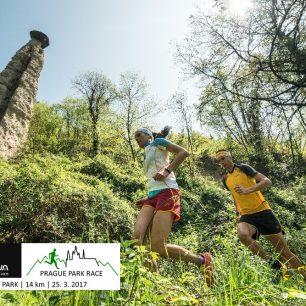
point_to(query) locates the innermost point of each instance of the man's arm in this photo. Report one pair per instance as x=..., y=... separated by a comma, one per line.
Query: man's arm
x=261, y=183
x=237, y=212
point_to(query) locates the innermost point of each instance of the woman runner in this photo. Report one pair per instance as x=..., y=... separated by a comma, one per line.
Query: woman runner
x=162, y=206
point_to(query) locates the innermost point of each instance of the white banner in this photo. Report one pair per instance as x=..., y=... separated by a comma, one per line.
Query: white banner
x=63, y=266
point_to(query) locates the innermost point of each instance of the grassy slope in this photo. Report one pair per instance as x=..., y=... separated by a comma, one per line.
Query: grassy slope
x=207, y=223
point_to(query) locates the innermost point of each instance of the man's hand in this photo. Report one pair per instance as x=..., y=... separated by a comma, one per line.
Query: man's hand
x=261, y=183
x=161, y=175
x=242, y=190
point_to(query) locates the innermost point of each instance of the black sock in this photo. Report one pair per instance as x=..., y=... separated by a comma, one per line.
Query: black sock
x=275, y=264
x=201, y=260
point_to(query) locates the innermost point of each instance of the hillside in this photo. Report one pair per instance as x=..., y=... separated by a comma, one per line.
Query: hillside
x=56, y=199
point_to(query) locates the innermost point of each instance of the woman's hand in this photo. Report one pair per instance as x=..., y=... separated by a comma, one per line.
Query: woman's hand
x=161, y=175
x=139, y=203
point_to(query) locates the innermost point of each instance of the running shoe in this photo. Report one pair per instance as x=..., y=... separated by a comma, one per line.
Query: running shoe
x=208, y=268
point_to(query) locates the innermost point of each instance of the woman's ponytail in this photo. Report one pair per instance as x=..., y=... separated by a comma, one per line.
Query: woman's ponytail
x=163, y=133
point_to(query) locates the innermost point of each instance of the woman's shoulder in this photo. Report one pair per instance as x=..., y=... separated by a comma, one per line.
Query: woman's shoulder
x=161, y=142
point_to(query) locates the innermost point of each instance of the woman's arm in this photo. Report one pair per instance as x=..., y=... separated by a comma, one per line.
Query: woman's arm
x=180, y=156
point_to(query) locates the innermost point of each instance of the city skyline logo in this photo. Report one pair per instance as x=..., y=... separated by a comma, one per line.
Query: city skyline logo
x=55, y=261
x=60, y=266
x=70, y=266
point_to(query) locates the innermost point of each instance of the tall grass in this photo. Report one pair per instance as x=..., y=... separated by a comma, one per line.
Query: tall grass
x=241, y=279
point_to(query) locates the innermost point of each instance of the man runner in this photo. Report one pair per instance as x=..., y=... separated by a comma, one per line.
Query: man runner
x=254, y=215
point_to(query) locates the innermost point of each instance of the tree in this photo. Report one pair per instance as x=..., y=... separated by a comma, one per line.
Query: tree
x=99, y=92
x=179, y=105
x=244, y=120
x=74, y=134
x=136, y=104
x=261, y=57
x=44, y=129
x=251, y=69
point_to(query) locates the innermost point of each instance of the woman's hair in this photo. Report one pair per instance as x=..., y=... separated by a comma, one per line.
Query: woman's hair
x=163, y=133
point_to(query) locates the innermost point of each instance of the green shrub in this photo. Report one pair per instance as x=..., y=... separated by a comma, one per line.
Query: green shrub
x=45, y=201
x=124, y=179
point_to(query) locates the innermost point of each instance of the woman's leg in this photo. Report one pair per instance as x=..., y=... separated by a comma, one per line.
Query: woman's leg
x=142, y=231
x=142, y=223
x=161, y=228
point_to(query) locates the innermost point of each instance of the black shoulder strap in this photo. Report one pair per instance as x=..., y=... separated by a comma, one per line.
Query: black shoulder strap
x=248, y=170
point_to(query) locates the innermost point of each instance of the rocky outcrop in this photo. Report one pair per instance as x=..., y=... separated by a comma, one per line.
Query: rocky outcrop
x=18, y=88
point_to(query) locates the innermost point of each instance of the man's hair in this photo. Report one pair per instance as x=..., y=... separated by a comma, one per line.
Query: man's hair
x=226, y=153
x=221, y=150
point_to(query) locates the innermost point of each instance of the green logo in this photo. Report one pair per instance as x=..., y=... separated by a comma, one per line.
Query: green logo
x=53, y=260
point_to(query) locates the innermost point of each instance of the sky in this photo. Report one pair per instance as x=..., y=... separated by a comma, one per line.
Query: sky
x=111, y=37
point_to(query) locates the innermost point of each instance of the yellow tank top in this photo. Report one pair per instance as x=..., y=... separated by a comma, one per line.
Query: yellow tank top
x=250, y=203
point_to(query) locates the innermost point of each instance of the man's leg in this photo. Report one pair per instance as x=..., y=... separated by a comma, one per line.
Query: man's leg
x=245, y=233
x=280, y=245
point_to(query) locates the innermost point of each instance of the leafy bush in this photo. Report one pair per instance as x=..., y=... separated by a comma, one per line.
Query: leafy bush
x=207, y=208
x=125, y=179
x=46, y=201
x=289, y=205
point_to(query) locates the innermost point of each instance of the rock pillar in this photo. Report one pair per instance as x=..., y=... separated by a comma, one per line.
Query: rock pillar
x=18, y=89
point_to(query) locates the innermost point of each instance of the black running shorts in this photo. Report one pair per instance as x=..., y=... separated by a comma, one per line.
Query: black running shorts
x=264, y=221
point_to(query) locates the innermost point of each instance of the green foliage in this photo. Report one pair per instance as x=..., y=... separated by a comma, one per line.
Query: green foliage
x=207, y=208
x=240, y=279
x=54, y=199
x=127, y=180
x=45, y=200
x=65, y=128
x=73, y=134
x=44, y=130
